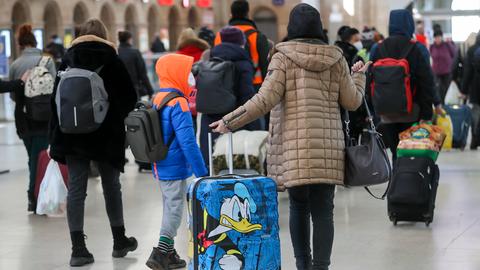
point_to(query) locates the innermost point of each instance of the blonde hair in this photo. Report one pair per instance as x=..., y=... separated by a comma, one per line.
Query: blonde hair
x=94, y=27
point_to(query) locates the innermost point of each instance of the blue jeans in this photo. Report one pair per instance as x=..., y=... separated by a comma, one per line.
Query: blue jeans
x=315, y=202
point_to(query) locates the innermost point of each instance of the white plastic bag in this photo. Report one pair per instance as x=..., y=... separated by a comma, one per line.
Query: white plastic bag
x=453, y=95
x=52, y=198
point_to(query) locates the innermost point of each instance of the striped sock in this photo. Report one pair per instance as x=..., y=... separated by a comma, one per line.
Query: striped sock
x=165, y=244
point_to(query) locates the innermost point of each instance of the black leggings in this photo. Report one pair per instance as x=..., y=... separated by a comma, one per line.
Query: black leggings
x=315, y=201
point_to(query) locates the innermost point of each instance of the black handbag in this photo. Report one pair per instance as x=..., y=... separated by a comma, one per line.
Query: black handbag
x=366, y=159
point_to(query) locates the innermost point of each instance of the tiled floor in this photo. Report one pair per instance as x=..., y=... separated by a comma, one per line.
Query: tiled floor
x=364, y=238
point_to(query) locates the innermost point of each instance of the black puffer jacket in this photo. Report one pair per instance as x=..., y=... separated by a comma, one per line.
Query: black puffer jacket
x=133, y=60
x=471, y=76
x=106, y=144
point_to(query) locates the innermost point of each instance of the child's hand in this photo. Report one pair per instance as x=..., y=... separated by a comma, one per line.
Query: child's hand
x=219, y=127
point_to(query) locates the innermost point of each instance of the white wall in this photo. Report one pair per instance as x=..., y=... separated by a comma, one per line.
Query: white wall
x=314, y=3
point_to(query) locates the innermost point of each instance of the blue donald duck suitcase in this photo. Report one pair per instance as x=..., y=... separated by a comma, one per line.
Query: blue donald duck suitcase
x=233, y=222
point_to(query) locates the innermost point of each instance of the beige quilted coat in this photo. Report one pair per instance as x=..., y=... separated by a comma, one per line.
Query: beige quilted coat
x=305, y=86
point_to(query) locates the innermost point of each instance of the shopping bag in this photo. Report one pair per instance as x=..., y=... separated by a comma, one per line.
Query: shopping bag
x=445, y=123
x=52, y=198
x=421, y=140
x=453, y=93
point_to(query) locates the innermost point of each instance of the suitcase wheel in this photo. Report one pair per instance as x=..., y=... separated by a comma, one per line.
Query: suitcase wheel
x=395, y=222
x=427, y=223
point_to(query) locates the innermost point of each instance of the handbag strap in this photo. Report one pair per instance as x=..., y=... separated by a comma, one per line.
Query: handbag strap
x=390, y=170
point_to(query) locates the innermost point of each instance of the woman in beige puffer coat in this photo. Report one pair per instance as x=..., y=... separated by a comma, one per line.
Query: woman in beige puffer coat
x=306, y=84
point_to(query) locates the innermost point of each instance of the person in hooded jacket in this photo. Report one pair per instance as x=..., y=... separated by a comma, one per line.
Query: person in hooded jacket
x=106, y=145
x=471, y=87
x=231, y=49
x=191, y=45
x=133, y=60
x=401, y=30
x=307, y=83
x=183, y=158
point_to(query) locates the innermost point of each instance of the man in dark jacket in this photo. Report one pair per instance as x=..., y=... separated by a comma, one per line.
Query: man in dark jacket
x=106, y=145
x=158, y=46
x=471, y=86
x=239, y=12
x=401, y=29
x=231, y=49
x=133, y=60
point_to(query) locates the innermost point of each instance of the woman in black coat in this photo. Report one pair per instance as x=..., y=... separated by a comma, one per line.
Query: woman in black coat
x=231, y=49
x=106, y=145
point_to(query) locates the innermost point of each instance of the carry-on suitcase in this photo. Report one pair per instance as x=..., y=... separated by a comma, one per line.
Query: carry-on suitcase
x=42, y=163
x=233, y=222
x=413, y=190
x=461, y=116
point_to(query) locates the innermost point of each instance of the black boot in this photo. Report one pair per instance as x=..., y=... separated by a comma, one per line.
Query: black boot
x=32, y=203
x=80, y=254
x=121, y=244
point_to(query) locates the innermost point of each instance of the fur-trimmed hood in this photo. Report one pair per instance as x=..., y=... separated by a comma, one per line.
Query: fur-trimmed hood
x=195, y=42
x=92, y=38
x=90, y=52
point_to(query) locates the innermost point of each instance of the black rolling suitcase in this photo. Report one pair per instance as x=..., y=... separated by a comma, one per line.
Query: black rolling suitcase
x=413, y=190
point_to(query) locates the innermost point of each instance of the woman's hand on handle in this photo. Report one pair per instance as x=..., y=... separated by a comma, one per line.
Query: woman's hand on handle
x=361, y=67
x=219, y=127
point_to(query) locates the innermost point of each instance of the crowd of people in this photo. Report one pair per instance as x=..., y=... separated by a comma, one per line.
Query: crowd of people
x=297, y=89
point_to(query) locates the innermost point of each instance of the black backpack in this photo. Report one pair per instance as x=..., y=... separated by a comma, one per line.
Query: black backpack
x=216, y=86
x=144, y=131
x=392, y=90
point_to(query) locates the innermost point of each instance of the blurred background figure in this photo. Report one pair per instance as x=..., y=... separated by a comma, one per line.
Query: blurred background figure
x=208, y=35
x=133, y=60
x=420, y=34
x=157, y=45
x=471, y=87
x=442, y=54
x=55, y=49
x=368, y=36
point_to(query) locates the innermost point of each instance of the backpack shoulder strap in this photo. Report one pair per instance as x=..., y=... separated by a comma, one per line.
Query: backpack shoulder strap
x=43, y=61
x=408, y=50
x=250, y=32
x=169, y=97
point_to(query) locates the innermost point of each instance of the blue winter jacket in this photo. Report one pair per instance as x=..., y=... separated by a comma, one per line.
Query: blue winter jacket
x=184, y=154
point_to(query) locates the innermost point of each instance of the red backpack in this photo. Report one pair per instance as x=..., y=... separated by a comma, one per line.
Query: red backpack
x=391, y=89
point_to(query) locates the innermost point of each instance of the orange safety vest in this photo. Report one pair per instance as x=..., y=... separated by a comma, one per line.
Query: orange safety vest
x=252, y=41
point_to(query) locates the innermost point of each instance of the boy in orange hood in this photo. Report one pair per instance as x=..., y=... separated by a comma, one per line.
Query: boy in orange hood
x=183, y=158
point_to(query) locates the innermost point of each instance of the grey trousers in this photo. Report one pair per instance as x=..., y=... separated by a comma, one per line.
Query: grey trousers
x=173, y=194
x=77, y=192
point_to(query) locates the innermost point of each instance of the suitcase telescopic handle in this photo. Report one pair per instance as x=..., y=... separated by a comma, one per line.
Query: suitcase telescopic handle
x=229, y=153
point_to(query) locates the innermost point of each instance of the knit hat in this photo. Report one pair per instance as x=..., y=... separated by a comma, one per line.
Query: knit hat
x=305, y=22
x=232, y=35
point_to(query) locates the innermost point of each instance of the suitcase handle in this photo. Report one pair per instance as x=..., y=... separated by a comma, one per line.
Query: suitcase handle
x=229, y=153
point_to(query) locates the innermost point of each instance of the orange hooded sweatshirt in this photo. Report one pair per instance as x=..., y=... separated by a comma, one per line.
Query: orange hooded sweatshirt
x=172, y=71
